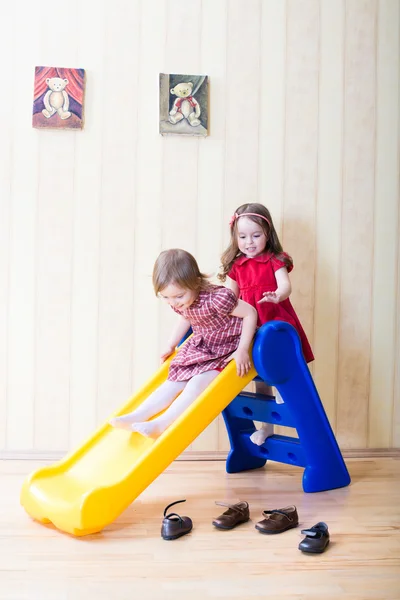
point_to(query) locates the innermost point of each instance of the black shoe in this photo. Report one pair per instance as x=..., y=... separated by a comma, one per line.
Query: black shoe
x=316, y=540
x=174, y=526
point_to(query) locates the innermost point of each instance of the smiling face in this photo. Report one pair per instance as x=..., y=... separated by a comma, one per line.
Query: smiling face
x=251, y=237
x=178, y=297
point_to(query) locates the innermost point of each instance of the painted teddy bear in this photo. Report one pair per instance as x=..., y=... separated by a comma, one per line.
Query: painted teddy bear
x=56, y=99
x=185, y=105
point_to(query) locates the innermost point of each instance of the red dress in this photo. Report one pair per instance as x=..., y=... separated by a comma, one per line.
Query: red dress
x=257, y=275
x=216, y=334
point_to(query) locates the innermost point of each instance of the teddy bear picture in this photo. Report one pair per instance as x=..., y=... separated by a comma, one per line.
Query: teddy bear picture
x=184, y=104
x=58, y=98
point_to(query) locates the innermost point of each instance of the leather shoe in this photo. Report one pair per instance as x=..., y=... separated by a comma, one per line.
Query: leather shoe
x=236, y=514
x=279, y=520
x=173, y=525
x=316, y=540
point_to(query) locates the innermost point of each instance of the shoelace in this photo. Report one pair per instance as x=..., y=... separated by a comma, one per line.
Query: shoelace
x=173, y=514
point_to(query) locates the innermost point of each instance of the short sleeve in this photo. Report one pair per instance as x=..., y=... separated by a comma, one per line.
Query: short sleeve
x=232, y=273
x=224, y=301
x=279, y=264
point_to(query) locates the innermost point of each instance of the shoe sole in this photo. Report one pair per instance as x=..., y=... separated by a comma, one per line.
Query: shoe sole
x=233, y=526
x=175, y=537
x=275, y=532
x=314, y=551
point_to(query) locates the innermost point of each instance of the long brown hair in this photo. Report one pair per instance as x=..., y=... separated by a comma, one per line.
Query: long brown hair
x=273, y=245
x=180, y=268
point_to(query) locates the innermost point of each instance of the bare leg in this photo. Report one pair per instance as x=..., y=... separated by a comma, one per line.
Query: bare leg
x=193, y=389
x=160, y=399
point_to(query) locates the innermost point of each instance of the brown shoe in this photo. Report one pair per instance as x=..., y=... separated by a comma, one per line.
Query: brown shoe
x=277, y=521
x=174, y=526
x=236, y=514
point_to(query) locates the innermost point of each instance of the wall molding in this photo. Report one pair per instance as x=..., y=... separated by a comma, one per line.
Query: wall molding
x=349, y=453
x=218, y=455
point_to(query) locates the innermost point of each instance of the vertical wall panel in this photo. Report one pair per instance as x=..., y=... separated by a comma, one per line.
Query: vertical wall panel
x=329, y=199
x=117, y=206
x=243, y=89
x=149, y=195
x=53, y=293
x=396, y=375
x=6, y=157
x=22, y=263
x=386, y=208
x=211, y=150
x=301, y=149
x=357, y=223
x=272, y=108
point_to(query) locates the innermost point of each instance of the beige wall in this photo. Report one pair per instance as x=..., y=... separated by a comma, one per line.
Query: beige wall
x=304, y=105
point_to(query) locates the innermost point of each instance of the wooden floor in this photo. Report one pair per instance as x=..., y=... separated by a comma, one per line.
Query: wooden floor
x=130, y=561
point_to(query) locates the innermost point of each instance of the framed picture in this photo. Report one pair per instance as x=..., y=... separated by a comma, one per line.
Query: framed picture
x=58, y=98
x=184, y=104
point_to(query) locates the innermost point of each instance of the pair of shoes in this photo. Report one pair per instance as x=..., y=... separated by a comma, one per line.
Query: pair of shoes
x=316, y=540
x=235, y=515
x=278, y=520
x=174, y=526
x=275, y=521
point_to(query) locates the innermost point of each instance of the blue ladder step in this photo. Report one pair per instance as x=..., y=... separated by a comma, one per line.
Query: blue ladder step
x=258, y=407
x=280, y=448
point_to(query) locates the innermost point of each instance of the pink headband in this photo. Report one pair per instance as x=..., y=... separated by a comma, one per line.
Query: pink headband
x=235, y=217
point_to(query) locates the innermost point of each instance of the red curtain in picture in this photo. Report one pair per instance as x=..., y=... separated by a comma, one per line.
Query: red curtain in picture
x=74, y=76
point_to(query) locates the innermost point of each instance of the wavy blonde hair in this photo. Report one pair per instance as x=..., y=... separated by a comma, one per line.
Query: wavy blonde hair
x=178, y=267
x=273, y=245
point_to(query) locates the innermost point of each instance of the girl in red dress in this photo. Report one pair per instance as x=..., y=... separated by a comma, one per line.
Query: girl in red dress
x=257, y=271
x=223, y=328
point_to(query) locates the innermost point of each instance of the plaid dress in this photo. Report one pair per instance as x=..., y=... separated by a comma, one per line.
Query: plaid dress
x=216, y=334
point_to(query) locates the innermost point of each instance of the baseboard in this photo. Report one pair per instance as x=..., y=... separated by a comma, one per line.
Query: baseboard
x=38, y=455
x=195, y=455
x=371, y=453
x=349, y=453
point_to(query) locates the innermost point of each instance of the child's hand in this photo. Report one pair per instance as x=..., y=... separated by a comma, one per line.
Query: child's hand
x=242, y=359
x=270, y=297
x=168, y=351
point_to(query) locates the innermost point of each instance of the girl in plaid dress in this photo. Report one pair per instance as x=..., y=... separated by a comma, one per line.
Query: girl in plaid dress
x=223, y=328
x=257, y=270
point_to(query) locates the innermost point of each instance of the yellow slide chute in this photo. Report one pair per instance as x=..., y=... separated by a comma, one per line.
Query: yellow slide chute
x=87, y=490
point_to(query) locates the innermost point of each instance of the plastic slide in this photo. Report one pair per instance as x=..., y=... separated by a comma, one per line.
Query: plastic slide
x=88, y=489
